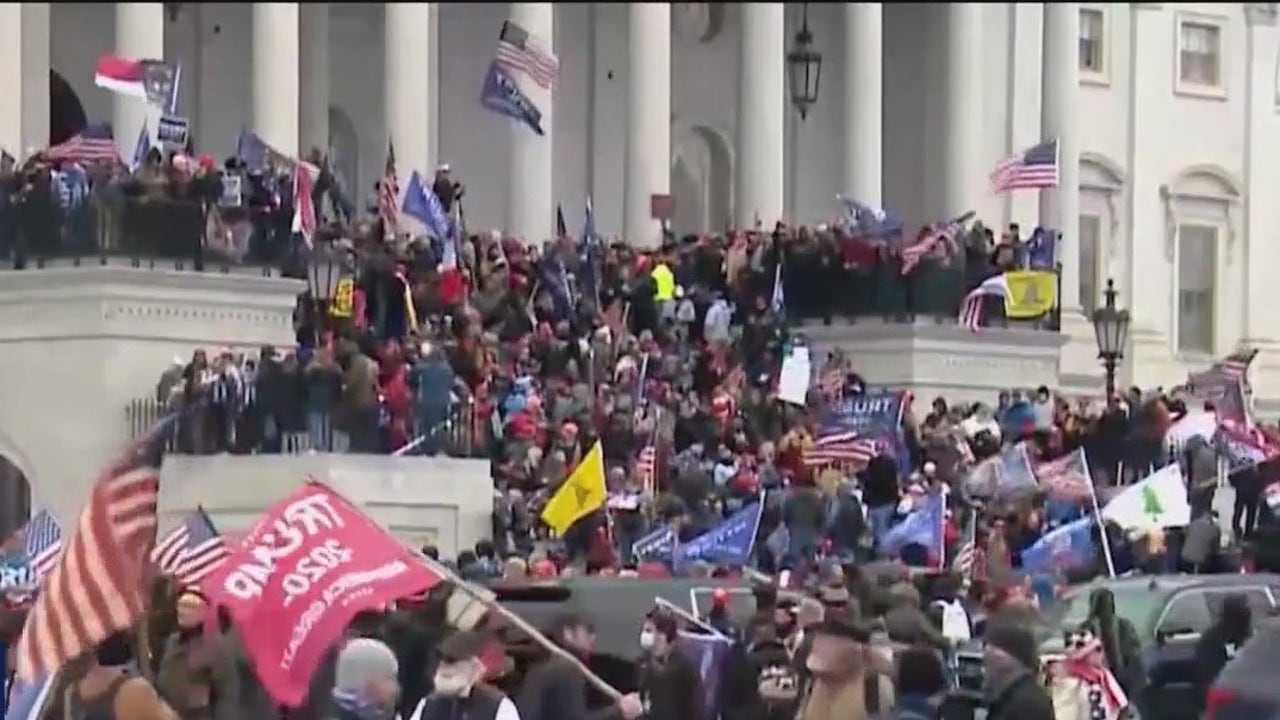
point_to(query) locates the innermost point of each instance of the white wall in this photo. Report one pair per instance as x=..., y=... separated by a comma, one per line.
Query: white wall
x=1136, y=131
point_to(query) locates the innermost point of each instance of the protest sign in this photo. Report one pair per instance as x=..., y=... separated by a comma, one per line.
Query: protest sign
x=172, y=131
x=310, y=563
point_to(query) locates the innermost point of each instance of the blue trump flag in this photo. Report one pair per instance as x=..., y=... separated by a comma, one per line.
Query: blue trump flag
x=27, y=699
x=1042, y=249
x=421, y=204
x=729, y=543
x=922, y=526
x=251, y=150
x=868, y=221
x=1068, y=546
x=502, y=95
x=875, y=414
x=709, y=653
x=657, y=545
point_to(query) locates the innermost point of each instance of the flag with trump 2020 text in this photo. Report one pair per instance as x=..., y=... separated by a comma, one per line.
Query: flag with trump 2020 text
x=298, y=577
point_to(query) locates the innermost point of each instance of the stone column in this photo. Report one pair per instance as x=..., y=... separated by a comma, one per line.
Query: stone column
x=1059, y=113
x=762, y=105
x=863, y=170
x=314, y=67
x=140, y=28
x=411, y=118
x=531, y=198
x=966, y=179
x=24, y=77
x=648, y=153
x=277, y=101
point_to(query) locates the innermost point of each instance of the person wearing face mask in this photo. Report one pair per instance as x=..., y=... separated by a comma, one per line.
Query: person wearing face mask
x=458, y=690
x=366, y=681
x=670, y=685
x=197, y=672
x=105, y=689
x=555, y=690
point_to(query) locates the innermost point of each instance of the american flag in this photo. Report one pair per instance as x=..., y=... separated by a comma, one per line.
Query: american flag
x=93, y=144
x=192, y=550
x=832, y=382
x=840, y=448
x=971, y=312
x=1066, y=478
x=1036, y=167
x=1236, y=365
x=519, y=51
x=939, y=237
x=647, y=468
x=96, y=589
x=388, y=195
x=42, y=541
x=304, y=207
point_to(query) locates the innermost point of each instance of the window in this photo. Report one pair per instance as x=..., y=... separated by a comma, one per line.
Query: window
x=1187, y=612
x=1197, y=281
x=1259, y=601
x=1199, y=54
x=1092, y=41
x=1090, y=240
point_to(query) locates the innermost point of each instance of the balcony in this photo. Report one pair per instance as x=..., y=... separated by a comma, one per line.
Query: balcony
x=144, y=228
x=211, y=430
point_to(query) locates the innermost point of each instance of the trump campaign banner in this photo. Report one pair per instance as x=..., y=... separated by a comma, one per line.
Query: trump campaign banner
x=875, y=414
x=310, y=563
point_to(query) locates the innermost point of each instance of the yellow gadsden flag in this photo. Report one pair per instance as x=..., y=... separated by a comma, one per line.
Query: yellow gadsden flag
x=1032, y=293
x=580, y=494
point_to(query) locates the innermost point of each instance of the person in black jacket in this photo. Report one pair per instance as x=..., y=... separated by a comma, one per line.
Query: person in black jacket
x=555, y=690
x=670, y=685
x=1221, y=641
x=1012, y=687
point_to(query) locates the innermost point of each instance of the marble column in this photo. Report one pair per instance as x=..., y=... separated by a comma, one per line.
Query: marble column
x=531, y=195
x=648, y=152
x=277, y=33
x=760, y=172
x=965, y=178
x=863, y=162
x=1059, y=113
x=140, y=28
x=24, y=77
x=313, y=93
x=411, y=117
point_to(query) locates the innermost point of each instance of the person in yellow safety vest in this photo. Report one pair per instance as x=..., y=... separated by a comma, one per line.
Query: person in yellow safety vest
x=664, y=288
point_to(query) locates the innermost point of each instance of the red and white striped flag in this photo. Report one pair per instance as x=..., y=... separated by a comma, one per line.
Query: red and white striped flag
x=388, y=196
x=841, y=448
x=97, y=587
x=192, y=550
x=304, y=207
x=647, y=468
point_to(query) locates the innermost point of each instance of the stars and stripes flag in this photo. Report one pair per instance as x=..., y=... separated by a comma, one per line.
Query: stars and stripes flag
x=841, y=448
x=647, y=468
x=96, y=588
x=938, y=238
x=1236, y=365
x=304, y=206
x=971, y=311
x=1035, y=167
x=389, y=194
x=1066, y=478
x=93, y=144
x=519, y=51
x=42, y=542
x=192, y=550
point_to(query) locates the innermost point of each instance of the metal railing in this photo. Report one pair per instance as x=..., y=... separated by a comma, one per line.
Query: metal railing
x=167, y=226
x=212, y=429
x=818, y=290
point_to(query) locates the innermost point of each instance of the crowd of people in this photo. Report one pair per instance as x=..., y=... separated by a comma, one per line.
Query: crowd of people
x=532, y=355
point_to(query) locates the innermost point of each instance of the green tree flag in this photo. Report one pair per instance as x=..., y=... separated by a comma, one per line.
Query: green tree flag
x=1151, y=502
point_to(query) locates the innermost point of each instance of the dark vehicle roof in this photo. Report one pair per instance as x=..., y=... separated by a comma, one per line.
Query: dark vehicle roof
x=616, y=606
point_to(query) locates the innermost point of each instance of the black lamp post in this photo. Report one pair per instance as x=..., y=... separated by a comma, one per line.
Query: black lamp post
x=804, y=65
x=1111, y=330
x=324, y=272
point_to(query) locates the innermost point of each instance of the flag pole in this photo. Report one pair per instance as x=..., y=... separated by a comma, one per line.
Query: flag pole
x=688, y=617
x=1097, y=516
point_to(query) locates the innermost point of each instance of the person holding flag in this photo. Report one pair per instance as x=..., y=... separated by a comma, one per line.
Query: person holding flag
x=581, y=494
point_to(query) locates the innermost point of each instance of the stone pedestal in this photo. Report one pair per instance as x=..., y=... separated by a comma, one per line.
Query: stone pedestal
x=941, y=360
x=77, y=344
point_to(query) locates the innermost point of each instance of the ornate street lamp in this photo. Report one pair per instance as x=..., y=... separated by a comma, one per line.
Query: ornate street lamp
x=1111, y=330
x=324, y=272
x=804, y=65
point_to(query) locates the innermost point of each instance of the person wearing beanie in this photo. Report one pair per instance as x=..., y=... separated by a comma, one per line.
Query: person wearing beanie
x=197, y=673
x=366, y=681
x=1010, y=662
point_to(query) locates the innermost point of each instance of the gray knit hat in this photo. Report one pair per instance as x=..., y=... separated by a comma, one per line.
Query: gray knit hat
x=363, y=661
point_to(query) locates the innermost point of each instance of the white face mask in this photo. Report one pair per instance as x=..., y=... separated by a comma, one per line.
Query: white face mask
x=647, y=639
x=451, y=681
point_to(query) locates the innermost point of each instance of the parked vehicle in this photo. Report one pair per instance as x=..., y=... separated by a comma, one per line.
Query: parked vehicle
x=1247, y=689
